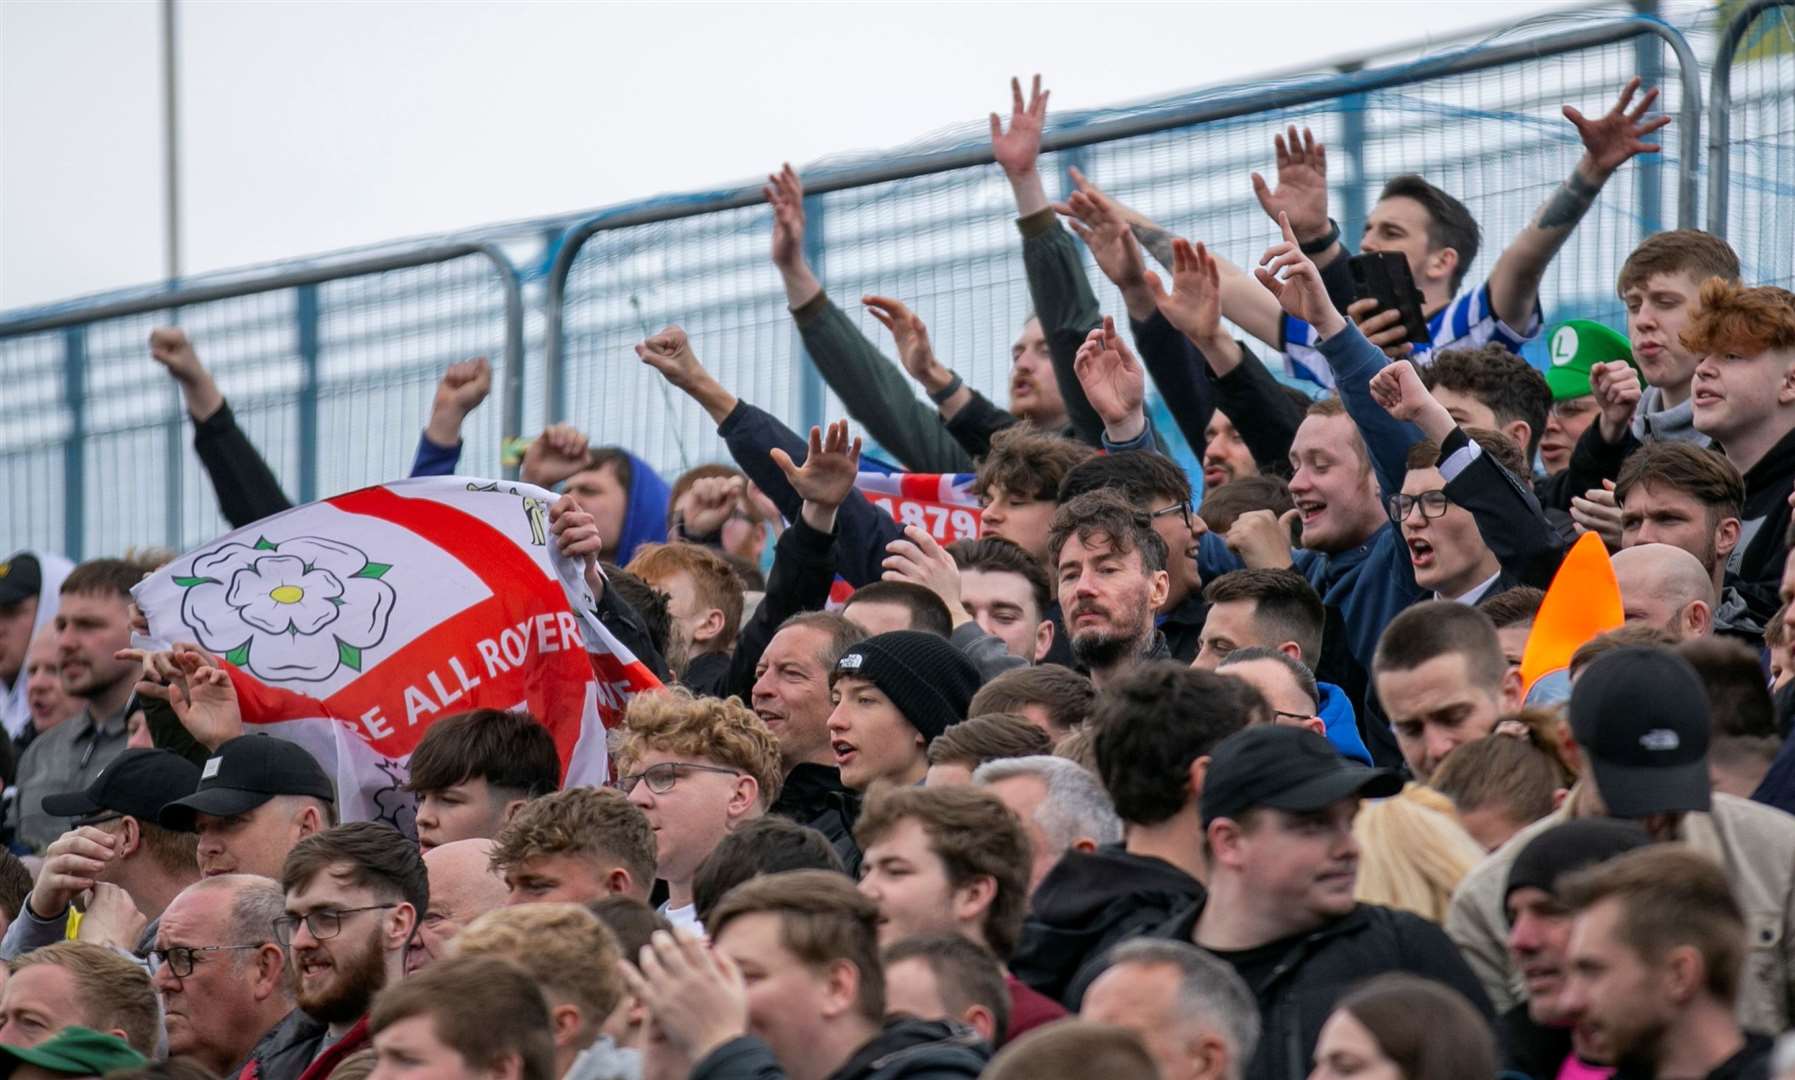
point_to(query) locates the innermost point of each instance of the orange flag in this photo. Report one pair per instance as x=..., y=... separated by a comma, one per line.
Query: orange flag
x=1584, y=601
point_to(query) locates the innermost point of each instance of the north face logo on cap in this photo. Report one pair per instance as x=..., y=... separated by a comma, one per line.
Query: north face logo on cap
x=211, y=768
x=1660, y=739
x=850, y=662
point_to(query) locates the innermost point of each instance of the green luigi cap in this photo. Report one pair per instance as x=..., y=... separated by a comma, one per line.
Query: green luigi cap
x=1575, y=347
x=73, y=1051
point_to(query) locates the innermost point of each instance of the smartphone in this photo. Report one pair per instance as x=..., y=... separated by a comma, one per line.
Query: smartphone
x=1384, y=276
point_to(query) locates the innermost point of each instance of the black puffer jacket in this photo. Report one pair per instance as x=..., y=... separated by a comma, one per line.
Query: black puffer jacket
x=905, y=1050
x=814, y=795
x=1301, y=991
x=1087, y=903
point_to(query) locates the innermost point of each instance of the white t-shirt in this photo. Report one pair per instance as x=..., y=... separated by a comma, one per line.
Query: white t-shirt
x=685, y=918
x=1467, y=322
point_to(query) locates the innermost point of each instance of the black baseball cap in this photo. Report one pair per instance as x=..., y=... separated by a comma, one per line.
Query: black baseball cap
x=20, y=579
x=1285, y=768
x=138, y=782
x=245, y=773
x=1641, y=717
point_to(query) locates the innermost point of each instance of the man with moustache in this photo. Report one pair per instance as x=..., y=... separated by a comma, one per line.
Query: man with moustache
x=1110, y=568
x=353, y=894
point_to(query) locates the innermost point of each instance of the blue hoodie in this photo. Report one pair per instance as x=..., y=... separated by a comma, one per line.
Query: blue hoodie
x=1341, y=724
x=645, y=515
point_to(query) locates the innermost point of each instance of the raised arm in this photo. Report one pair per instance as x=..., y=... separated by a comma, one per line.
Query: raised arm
x=752, y=435
x=1116, y=385
x=1508, y=517
x=1609, y=141
x=1290, y=276
x=875, y=394
x=246, y=488
x=460, y=391
x=1302, y=195
x=1064, y=303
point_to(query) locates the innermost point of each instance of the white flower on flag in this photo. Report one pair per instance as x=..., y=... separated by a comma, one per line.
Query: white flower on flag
x=294, y=611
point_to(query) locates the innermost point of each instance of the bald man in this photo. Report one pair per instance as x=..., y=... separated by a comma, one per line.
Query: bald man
x=463, y=887
x=1668, y=587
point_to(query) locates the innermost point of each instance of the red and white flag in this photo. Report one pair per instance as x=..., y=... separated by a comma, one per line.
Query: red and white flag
x=942, y=503
x=351, y=624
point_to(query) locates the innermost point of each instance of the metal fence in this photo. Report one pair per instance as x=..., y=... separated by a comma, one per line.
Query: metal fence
x=1751, y=140
x=936, y=229
x=330, y=370
x=330, y=366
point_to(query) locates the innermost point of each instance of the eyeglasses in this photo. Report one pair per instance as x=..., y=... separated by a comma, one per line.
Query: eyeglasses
x=1301, y=718
x=662, y=777
x=179, y=959
x=1433, y=504
x=1166, y=511
x=324, y=924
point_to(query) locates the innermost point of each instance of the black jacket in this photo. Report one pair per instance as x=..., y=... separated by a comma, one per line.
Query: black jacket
x=1756, y=568
x=1529, y=1049
x=907, y=1049
x=1752, y=1062
x=1508, y=516
x=1296, y=998
x=1183, y=627
x=1087, y=903
x=286, y=1051
x=813, y=795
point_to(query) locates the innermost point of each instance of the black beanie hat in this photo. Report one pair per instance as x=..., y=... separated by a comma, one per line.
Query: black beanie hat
x=1571, y=846
x=929, y=680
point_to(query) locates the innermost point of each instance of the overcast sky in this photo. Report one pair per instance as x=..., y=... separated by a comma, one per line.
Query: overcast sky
x=313, y=126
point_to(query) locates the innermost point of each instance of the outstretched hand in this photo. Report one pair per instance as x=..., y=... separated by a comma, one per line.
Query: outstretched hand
x=1302, y=191
x=1114, y=381
x=1101, y=223
x=830, y=467
x=196, y=686
x=1017, y=148
x=785, y=192
x=1291, y=276
x=1613, y=138
x=1194, y=305
x=911, y=335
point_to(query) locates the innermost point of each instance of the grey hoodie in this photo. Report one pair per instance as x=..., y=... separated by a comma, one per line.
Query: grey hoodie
x=1651, y=420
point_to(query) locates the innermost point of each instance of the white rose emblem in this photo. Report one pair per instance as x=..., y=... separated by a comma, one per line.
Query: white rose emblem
x=294, y=611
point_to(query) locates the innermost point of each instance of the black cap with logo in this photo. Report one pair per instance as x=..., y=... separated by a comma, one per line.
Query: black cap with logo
x=1641, y=717
x=139, y=782
x=245, y=773
x=1285, y=768
x=20, y=579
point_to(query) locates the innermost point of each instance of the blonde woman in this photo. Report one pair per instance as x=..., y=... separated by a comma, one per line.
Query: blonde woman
x=1412, y=852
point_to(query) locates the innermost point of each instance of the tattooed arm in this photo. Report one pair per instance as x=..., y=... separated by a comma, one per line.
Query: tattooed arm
x=1244, y=301
x=1609, y=141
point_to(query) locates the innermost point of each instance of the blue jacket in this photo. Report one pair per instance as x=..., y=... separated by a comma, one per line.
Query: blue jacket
x=1342, y=723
